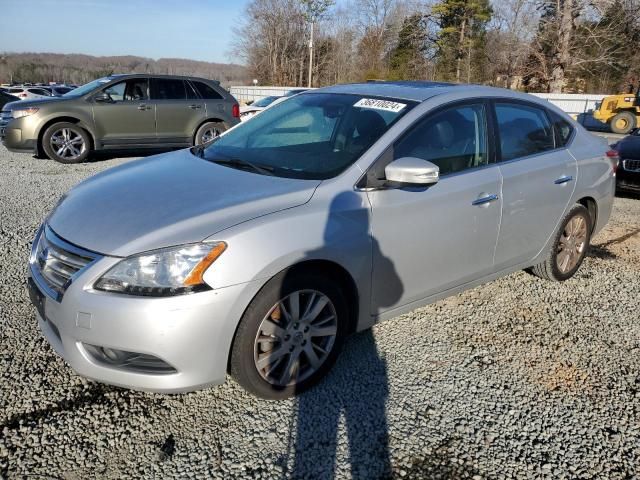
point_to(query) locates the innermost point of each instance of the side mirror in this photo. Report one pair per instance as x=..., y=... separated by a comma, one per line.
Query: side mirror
x=102, y=97
x=412, y=171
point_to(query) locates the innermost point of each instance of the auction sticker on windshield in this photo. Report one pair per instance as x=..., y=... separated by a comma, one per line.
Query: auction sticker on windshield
x=378, y=104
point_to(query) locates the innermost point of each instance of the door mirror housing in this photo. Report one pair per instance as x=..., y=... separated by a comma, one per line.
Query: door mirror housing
x=103, y=97
x=412, y=171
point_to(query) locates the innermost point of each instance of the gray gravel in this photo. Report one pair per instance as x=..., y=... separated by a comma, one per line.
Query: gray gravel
x=518, y=378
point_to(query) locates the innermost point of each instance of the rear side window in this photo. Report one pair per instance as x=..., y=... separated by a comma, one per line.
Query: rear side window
x=562, y=129
x=191, y=93
x=39, y=91
x=524, y=130
x=168, y=89
x=206, y=91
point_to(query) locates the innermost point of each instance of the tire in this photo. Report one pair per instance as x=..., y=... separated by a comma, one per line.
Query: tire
x=554, y=267
x=261, y=353
x=208, y=131
x=66, y=142
x=623, y=123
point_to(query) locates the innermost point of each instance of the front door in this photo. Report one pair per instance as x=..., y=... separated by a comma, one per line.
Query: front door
x=428, y=240
x=127, y=118
x=539, y=177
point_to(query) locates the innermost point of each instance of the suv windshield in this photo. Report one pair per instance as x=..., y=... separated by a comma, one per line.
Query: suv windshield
x=310, y=136
x=87, y=87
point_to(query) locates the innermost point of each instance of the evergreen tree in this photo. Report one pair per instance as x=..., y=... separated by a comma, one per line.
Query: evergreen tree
x=407, y=59
x=461, y=38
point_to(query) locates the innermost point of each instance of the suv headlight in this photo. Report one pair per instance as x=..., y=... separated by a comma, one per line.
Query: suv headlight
x=24, y=112
x=162, y=273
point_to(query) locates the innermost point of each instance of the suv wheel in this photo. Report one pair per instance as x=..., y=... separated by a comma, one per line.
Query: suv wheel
x=208, y=131
x=66, y=143
x=289, y=336
x=569, y=247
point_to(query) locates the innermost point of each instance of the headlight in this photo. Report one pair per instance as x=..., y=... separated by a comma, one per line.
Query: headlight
x=24, y=112
x=166, y=272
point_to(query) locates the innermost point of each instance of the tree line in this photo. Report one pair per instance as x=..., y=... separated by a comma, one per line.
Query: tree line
x=80, y=69
x=532, y=45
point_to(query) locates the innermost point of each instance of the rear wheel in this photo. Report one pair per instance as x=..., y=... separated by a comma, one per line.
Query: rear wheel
x=290, y=335
x=569, y=247
x=208, y=131
x=66, y=142
x=623, y=123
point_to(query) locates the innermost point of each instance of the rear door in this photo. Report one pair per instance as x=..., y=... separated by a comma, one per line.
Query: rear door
x=127, y=118
x=216, y=105
x=179, y=110
x=539, y=177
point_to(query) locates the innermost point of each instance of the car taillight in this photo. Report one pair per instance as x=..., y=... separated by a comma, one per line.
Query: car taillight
x=235, y=110
x=614, y=156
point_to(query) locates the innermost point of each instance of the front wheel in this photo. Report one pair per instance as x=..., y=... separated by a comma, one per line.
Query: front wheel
x=290, y=335
x=569, y=248
x=623, y=123
x=208, y=131
x=66, y=142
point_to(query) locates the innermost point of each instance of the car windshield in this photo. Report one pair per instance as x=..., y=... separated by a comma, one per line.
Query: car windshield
x=264, y=102
x=310, y=136
x=87, y=87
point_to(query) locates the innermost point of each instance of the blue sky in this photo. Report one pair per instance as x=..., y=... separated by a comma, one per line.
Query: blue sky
x=195, y=29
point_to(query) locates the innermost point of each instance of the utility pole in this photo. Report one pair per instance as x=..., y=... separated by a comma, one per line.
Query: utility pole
x=313, y=10
x=311, y=54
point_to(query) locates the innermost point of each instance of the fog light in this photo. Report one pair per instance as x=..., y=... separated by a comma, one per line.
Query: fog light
x=131, y=361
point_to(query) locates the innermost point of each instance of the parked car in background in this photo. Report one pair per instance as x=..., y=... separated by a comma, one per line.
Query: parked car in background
x=6, y=98
x=259, y=252
x=120, y=112
x=628, y=173
x=59, y=90
x=248, y=111
x=29, y=93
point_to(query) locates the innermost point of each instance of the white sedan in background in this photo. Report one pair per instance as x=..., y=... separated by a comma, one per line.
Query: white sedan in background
x=249, y=111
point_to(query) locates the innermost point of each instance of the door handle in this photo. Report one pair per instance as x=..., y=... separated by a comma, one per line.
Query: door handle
x=194, y=107
x=485, y=199
x=143, y=107
x=563, y=179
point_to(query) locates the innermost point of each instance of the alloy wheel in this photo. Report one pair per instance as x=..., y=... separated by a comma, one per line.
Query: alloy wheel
x=209, y=134
x=295, y=338
x=67, y=144
x=572, y=244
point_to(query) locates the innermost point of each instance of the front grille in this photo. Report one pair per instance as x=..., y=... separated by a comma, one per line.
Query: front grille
x=55, y=263
x=631, y=165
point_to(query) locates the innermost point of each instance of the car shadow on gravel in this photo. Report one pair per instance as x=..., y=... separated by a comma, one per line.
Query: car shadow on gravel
x=602, y=251
x=351, y=402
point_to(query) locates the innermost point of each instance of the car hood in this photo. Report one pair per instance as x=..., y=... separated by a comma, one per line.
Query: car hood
x=629, y=147
x=167, y=200
x=32, y=103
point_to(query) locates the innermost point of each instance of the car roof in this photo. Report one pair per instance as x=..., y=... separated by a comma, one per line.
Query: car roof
x=114, y=76
x=418, y=91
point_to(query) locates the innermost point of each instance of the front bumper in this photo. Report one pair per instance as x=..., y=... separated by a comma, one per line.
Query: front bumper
x=191, y=333
x=19, y=135
x=627, y=179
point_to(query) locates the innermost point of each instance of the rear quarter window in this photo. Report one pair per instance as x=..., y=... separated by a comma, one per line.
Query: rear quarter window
x=562, y=129
x=206, y=91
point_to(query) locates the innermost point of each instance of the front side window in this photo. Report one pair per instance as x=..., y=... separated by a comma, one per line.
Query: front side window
x=454, y=139
x=168, y=89
x=524, y=130
x=310, y=136
x=133, y=90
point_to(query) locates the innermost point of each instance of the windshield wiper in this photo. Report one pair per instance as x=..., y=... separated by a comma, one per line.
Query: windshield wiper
x=239, y=162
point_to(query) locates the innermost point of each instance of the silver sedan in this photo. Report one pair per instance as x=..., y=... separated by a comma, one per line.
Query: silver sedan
x=258, y=253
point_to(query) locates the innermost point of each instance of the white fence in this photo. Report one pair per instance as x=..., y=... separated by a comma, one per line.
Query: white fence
x=251, y=93
x=578, y=105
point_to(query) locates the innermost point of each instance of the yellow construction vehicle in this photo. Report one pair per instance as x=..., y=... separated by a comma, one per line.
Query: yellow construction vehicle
x=621, y=112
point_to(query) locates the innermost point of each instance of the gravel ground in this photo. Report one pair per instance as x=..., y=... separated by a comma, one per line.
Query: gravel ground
x=517, y=378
